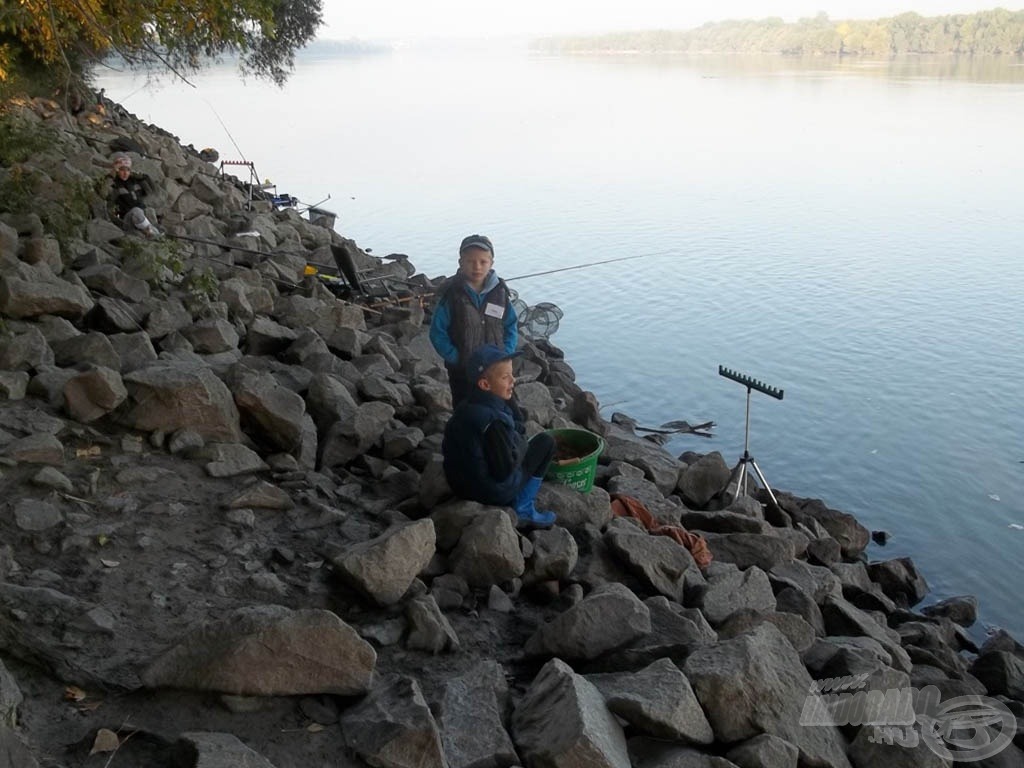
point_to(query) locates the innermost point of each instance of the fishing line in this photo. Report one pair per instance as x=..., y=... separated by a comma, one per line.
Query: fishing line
x=590, y=264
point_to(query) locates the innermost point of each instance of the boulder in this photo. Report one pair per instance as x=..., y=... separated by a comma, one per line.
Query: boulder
x=870, y=749
x=659, y=467
x=649, y=753
x=13, y=385
x=211, y=336
x=168, y=397
x=272, y=414
x=471, y=716
x=134, y=350
x=329, y=401
x=261, y=495
x=393, y=727
x=536, y=401
x=93, y=394
x=756, y=683
x=167, y=317
x=796, y=601
x=702, y=480
x=657, y=701
x=13, y=751
x=900, y=580
x=675, y=632
x=11, y=698
x=844, y=619
x=751, y=549
x=659, y=562
x=88, y=348
x=429, y=630
x=608, y=618
x=25, y=350
x=574, y=509
x=32, y=290
x=111, y=281
x=731, y=590
x=398, y=442
x=962, y=609
x=488, y=550
x=844, y=528
x=231, y=460
x=34, y=515
x=1001, y=672
x=38, y=448
x=799, y=633
x=764, y=751
x=348, y=439
x=223, y=750
x=268, y=651
x=265, y=337
x=563, y=722
x=384, y=567
x=554, y=556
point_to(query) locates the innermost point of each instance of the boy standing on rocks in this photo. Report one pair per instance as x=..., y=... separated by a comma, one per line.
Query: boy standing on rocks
x=487, y=457
x=474, y=309
x=126, y=198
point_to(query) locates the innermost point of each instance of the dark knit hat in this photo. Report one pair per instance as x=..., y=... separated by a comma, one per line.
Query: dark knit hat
x=483, y=358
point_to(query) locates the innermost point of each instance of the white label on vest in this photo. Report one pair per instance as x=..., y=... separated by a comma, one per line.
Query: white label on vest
x=494, y=310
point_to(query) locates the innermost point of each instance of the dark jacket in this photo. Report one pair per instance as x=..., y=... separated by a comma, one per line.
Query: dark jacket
x=462, y=321
x=129, y=193
x=484, y=446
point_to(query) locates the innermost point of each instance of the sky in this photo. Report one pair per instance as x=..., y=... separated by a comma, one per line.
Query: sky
x=410, y=19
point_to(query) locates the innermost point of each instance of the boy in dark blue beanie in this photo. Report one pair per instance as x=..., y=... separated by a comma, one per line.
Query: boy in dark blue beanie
x=487, y=457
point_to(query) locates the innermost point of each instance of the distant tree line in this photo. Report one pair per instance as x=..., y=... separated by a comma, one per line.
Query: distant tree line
x=989, y=32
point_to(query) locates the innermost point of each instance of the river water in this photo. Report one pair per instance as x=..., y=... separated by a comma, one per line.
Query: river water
x=847, y=231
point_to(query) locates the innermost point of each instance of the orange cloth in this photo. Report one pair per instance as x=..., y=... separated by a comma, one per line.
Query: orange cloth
x=627, y=506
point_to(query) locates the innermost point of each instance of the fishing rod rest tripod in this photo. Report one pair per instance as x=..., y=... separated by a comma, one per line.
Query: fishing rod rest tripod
x=750, y=384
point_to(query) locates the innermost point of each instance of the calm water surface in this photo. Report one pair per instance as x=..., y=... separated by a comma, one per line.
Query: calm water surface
x=850, y=232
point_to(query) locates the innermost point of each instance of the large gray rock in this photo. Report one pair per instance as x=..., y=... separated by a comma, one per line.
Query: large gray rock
x=272, y=414
x=329, y=401
x=843, y=618
x=675, y=632
x=563, y=722
x=393, y=727
x=751, y=549
x=91, y=348
x=111, y=281
x=345, y=440
x=167, y=317
x=93, y=394
x=488, y=551
x=268, y=651
x=134, y=350
x=844, y=528
x=13, y=751
x=168, y=397
x=900, y=580
x=471, y=717
x=211, y=336
x=231, y=460
x=10, y=698
x=659, y=467
x=223, y=750
x=536, y=402
x=265, y=337
x=574, y=509
x=383, y=568
x=814, y=580
x=36, y=515
x=429, y=630
x=554, y=556
x=38, y=448
x=869, y=750
x=756, y=683
x=703, y=480
x=765, y=751
x=799, y=633
x=657, y=701
x=649, y=753
x=962, y=609
x=608, y=618
x=33, y=290
x=731, y=590
x=661, y=563
x=1001, y=673
x=26, y=350
x=13, y=385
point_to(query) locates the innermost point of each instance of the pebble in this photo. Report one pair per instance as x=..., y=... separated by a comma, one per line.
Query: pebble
x=48, y=477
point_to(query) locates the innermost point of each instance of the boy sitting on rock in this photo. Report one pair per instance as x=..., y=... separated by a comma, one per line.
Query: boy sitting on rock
x=126, y=198
x=474, y=309
x=487, y=457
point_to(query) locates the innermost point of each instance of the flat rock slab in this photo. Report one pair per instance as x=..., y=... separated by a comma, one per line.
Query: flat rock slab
x=41, y=448
x=169, y=397
x=261, y=495
x=269, y=651
x=472, y=719
x=232, y=459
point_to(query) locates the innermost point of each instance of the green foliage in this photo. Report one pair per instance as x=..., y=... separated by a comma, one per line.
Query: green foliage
x=18, y=189
x=989, y=32
x=158, y=262
x=21, y=139
x=72, y=36
x=202, y=285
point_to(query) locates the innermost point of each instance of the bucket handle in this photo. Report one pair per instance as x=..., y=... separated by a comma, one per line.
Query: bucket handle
x=569, y=462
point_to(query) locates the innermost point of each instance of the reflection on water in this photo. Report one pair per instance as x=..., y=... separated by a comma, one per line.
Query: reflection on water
x=847, y=230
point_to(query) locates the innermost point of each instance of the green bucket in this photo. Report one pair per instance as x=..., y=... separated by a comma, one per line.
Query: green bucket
x=576, y=454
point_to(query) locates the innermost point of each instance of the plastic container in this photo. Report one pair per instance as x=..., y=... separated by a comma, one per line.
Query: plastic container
x=579, y=471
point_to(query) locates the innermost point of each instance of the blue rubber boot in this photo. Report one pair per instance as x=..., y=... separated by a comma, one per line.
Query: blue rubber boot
x=526, y=512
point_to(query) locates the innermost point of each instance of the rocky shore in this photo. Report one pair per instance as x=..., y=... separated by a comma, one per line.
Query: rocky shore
x=226, y=540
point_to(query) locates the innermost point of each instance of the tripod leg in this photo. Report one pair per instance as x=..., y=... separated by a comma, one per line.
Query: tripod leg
x=764, y=482
x=741, y=479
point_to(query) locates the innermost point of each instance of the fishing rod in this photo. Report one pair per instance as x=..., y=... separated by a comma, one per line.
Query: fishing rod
x=587, y=265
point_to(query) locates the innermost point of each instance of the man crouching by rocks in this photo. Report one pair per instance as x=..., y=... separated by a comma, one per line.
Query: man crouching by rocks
x=487, y=457
x=126, y=198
